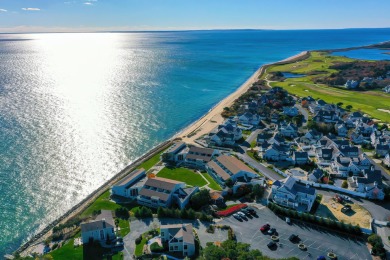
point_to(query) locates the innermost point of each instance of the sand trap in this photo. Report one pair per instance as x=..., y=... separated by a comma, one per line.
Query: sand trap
x=384, y=110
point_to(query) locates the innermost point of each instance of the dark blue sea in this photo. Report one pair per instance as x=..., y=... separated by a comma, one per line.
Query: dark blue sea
x=76, y=108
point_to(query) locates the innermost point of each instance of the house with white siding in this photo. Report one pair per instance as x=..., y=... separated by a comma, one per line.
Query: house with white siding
x=130, y=186
x=179, y=238
x=101, y=229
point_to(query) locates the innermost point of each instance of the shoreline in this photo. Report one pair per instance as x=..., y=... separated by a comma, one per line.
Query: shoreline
x=188, y=134
x=202, y=125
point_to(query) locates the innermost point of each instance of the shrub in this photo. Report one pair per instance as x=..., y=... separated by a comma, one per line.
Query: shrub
x=210, y=229
x=231, y=210
x=155, y=247
x=138, y=240
x=231, y=235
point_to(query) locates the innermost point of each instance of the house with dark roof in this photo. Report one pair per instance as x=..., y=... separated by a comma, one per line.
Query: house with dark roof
x=290, y=111
x=175, y=153
x=370, y=183
x=276, y=153
x=179, y=238
x=226, y=134
x=311, y=137
x=198, y=157
x=162, y=192
x=341, y=129
x=249, y=119
x=343, y=166
x=288, y=130
x=101, y=229
x=316, y=175
x=300, y=158
x=130, y=186
x=382, y=149
x=289, y=193
x=226, y=167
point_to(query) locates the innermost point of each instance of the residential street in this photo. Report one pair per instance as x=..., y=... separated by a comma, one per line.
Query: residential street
x=261, y=168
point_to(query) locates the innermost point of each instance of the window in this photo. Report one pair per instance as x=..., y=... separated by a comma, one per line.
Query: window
x=162, y=234
x=176, y=247
x=185, y=246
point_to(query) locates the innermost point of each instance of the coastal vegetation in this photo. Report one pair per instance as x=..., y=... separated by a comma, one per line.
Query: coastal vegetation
x=320, y=67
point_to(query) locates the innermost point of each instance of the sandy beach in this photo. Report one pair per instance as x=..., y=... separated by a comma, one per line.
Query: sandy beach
x=213, y=118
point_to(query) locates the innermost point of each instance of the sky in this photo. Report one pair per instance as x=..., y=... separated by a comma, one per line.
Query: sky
x=108, y=15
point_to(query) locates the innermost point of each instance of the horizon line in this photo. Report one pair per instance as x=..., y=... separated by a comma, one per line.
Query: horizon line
x=65, y=30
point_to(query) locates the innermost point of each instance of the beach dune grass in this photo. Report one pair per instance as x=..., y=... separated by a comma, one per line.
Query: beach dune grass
x=182, y=174
x=367, y=101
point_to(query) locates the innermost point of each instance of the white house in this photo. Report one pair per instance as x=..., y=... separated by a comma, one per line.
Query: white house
x=386, y=160
x=179, y=238
x=343, y=166
x=101, y=229
x=130, y=186
x=351, y=84
x=226, y=167
x=226, y=134
x=289, y=193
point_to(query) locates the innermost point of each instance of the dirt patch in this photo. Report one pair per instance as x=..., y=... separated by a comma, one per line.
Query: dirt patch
x=332, y=210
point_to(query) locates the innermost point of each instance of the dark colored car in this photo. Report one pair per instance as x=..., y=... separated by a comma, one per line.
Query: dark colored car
x=271, y=231
x=293, y=237
x=265, y=228
x=251, y=210
x=246, y=212
x=271, y=244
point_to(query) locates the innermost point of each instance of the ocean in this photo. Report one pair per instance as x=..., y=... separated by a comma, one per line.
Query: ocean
x=76, y=108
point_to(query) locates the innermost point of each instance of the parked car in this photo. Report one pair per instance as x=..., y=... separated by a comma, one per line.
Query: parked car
x=346, y=198
x=246, y=212
x=271, y=244
x=242, y=215
x=251, y=210
x=265, y=228
x=271, y=231
x=236, y=216
x=288, y=220
x=293, y=238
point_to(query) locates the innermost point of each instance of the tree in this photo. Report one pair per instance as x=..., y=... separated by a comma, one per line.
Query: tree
x=339, y=104
x=200, y=199
x=344, y=185
x=257, y=191
x=349, y=107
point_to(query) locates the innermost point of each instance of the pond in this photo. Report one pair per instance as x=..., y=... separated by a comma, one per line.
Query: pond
x=365, y=54
x=289, y=75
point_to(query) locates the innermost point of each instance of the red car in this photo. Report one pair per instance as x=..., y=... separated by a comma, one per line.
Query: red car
x=265, y=228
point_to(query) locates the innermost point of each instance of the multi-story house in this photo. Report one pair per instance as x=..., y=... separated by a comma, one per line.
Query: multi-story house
x=289, y=193
x=179, y=238
x=130, y=186
x=101, y=229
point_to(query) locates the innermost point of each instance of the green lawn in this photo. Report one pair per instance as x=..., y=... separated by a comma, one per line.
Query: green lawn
x=124, y=226
x=213, y=184
x=151, y=162
x=102, y=202
x=184, y=175
x=367, y=101
x=68, y=252
x=140, y=246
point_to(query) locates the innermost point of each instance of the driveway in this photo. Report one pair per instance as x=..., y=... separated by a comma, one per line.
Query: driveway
x=319, y=241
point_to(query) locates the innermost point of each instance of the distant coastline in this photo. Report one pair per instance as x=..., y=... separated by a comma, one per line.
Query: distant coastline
x=203, y=124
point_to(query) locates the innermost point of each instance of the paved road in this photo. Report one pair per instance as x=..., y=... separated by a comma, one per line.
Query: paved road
x=260, y=167
x=319, y=241
x=304, y=113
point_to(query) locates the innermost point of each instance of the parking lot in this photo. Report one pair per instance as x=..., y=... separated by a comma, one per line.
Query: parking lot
x=318, y=241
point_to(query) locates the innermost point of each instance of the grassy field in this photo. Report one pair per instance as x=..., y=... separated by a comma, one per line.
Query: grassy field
x=102, y=202
x=151, y=162
x=213, y=184
x=184, y=175
x=68, y=252
x=367, y=101
x=124, y=226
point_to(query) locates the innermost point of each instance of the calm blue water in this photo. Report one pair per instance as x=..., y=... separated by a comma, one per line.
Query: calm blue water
x=365, y=54
x=292, y=75
x=76, y=108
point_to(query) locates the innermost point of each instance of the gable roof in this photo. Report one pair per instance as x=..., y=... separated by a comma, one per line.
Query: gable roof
x=128, y=180
x=180, y=231
x=162, y=183
x=102, y=221
x=233, y=164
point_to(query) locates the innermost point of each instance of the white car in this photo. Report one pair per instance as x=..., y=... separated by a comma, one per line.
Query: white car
x=288, y=220
x=346, y=198
x=242, y=215
x=236, y=216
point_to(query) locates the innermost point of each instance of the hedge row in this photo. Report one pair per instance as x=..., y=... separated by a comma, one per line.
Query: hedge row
x=333, y=224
